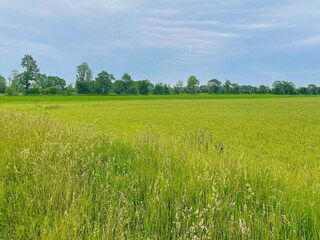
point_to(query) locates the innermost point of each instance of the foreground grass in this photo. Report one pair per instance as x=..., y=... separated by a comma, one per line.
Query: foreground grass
x=211, y=170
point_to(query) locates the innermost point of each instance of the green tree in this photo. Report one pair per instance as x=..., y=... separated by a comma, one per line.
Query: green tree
x=54, y=81
x=161, y=89
x=227, y=86
x=14, y=80
x=31, y=73
x=302, y=90
x=144, y=87
x=312, y=89
x=103, y=83
x=283, y=87
x=179, y=88
x=192, y=84
x=262, y=89
x=84, y=78
x=119, y=87
x=214, y=86
x=3, y=84
x=235, y=88
x=129, y=86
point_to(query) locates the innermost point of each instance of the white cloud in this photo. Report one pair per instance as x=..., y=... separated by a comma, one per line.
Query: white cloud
x=305, y=42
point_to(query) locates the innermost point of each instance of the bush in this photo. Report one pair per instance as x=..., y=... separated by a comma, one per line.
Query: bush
x=34, y=91
x=52, y=90
x=10, y=91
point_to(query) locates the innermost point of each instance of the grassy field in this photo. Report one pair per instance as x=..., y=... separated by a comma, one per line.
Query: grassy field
x=160, y=167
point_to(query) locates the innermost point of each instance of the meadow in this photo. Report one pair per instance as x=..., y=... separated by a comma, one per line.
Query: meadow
x=160, y=167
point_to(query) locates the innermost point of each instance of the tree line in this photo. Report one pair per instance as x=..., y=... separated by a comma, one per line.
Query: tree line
x=32, y=81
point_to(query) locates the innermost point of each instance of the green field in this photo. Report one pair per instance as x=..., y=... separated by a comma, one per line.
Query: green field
x=160, y=167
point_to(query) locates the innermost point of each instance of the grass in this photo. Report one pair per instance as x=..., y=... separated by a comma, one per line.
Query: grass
x=202, y=167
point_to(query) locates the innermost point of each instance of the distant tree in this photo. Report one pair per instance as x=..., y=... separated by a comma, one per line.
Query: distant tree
x=227, y=86
x=204, y=89
x=192, y=84
x=235, y=88
x=214, y=86
x=283, y=87
x=179, y=87
x=10, y=91
x=302, y=90
x=84, y=78
x=103, y=83
x=144, y=87
x=262, y=89
x=161, y=89
x=35, y=90
x=55, y=81
x=128, y=85
x=42, y=81
x=69, y=90
x=119, y=87
x=312, y=89
x=30, y=75
x=248, y=89
x=14, y=80
x=3, y=84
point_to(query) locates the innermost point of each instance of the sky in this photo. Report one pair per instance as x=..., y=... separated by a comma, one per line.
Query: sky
x=246, y=41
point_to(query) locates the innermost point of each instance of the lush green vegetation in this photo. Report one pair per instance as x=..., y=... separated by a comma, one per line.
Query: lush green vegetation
x=32, y=82
x=160, y=167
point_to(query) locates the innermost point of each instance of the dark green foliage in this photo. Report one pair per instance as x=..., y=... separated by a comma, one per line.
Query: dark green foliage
x=10, y=91
x=52, y=90
x=3, y=84
x=247, y=89
x=262, y=89
x=84, y=78
x=34, y=91
x=103, y=83
x=214, y=86
x=15, y=81
x=312, y=89
x=283, y=87
x=31, y=74
x=161, y=89
x=144, y=87
x=178, y=88
x=69, y=90
x=125, y=85
x=192, y=85
x=227, y=86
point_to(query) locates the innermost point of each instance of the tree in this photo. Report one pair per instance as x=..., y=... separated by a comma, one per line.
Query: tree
x=235, y=88
x=144, y=87
x=103, y=83
x=283, y=87
x=178, y=88
x=84, y=78
x=312, y=89
x=193, y=82
x=158, y=89
x=30, y=75
x=128, y=85
x=3, y=84
x=302, y=90
x=119, y=87
x=214, y=86
x=248, y=89
x=54, y=81
x=227, y=86
x=262, y=89
x=14, y=80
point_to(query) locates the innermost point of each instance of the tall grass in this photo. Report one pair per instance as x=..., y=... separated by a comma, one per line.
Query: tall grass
x=59, y=182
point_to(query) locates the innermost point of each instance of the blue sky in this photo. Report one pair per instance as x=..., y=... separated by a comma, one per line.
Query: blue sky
x=247, y=41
